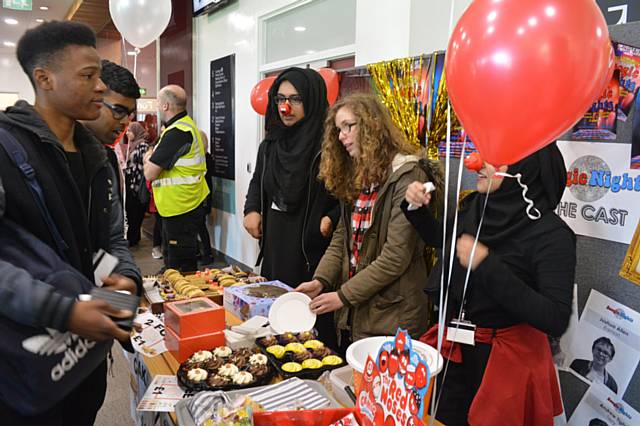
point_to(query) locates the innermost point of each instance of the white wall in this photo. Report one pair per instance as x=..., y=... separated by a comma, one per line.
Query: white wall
x=13, y=79
x=384, y=30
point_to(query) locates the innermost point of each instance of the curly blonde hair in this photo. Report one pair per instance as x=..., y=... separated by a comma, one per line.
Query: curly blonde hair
x=379, y=140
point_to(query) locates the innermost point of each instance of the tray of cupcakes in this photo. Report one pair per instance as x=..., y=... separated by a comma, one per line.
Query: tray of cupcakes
x=300, y=355
x=225, y=369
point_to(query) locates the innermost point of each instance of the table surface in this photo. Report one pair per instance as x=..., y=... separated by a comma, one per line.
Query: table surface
x=166, y=364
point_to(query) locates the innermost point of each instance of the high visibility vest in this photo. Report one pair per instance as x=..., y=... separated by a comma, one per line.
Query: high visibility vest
x=183, y=187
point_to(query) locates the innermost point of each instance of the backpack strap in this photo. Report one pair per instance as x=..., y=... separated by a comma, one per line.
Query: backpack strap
x=18, y=156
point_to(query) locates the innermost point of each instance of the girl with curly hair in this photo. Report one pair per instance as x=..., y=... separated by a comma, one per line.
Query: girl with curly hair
x=373, y=272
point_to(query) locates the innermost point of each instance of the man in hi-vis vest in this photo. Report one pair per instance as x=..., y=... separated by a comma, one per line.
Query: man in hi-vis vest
x=177, y=168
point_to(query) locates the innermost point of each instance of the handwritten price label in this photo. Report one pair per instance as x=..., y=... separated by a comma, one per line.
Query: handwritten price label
x=150, y=341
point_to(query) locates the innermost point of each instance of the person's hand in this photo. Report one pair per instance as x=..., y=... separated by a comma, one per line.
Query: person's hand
x=253, y=224
x=326, y=226
x=325, y=303
x=118, y=282
x=147, y=155
x=92, y=321
x=310, y=288
x=463, y=251
x=416, y=195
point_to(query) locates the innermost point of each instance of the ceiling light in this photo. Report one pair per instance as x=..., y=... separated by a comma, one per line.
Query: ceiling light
x=9, y=44
x=39, y=20
x=10, y=21
x=299, y=29
x=44, y=7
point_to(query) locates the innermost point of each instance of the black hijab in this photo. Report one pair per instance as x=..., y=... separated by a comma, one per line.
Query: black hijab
x=291, y=150
x=543, y=172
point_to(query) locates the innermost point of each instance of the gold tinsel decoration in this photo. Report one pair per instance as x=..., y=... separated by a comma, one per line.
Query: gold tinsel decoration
x=398, y=84
x=437, y=131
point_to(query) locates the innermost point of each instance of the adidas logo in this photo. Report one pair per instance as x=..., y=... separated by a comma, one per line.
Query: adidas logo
x=55, y=343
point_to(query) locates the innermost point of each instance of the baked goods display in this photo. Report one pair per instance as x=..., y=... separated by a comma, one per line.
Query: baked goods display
x=208, y=283
x=300, y=355
x=225, y=369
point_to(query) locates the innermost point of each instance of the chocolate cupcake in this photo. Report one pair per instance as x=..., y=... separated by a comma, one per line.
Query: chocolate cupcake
x=268, y=341
x=239, y=360
x=259, y=370
x=320, y=353
x=301, y=356
x=218, y=381
x=287, y=338
x=306, y=335
x=213, y=364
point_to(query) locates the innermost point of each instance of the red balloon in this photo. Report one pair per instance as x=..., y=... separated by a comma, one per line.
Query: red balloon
x=260, y=95
x=332, y=81
x=520, y=73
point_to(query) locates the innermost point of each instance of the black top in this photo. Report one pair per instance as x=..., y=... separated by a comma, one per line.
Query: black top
x=174, y=144
x=527, y=277
x=76, y=164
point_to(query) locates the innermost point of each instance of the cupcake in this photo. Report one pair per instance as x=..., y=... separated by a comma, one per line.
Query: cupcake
x=301, y=356
x=201, y=356
x=332, y=360
x=320, y=353
x=258, y=359
x=312, y=364
x=295, y=347
x=276, y=350
x=243, y=378
x=213, y=364
x=239, y=360
x=197, y=375
x=287, y=338
x=222, y=351
x=228, y=370
x=218, y=381
x=313, y=344
x=291, y=367
x=258, y=370
x=306, y=335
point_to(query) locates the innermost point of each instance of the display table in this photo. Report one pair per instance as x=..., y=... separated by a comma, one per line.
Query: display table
x=166, y=364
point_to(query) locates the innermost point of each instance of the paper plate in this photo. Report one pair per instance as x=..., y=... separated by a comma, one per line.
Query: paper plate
x=290, y=313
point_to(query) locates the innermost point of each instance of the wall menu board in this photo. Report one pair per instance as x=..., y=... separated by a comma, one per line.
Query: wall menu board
x=223, y=139
x=618, y=12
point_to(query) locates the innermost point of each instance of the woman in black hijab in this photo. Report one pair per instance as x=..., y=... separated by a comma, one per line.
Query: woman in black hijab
x=287, y=208
x=519, y=291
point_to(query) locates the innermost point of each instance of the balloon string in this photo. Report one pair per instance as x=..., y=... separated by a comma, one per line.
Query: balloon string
x=530, y=203
x=441, y=308
x=135, y=62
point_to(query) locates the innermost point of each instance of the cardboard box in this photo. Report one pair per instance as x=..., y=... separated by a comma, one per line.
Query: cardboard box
x=194, y=317
x=253, y=299
x=183, y=347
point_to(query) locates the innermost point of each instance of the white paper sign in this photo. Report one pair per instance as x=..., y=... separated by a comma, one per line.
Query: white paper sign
x=605, y=348
x=600, y=407
x=163, y=394
x=602, y=198
x=150, y=342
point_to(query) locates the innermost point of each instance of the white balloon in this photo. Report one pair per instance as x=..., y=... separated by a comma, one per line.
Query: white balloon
x=140, y=21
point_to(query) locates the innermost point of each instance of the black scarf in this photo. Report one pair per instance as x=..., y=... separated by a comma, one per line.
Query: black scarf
x=543, y=172
x=291, y=150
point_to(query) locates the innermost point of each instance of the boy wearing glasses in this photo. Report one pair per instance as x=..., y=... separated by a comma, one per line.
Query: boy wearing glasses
x=603, y=352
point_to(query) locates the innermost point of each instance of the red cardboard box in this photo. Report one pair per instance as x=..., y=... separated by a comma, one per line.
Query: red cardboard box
x=183, y=347
x=194, y=317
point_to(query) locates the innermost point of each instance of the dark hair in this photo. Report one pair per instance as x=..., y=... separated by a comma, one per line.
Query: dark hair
x=604, y=341
x=119, y=79
x=597, y=422
x=40, y=46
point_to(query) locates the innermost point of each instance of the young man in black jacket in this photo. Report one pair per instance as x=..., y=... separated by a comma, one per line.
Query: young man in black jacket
x=64, y=67
x=119, y=103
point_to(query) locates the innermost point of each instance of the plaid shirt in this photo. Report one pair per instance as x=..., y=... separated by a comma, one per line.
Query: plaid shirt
x=360, y=222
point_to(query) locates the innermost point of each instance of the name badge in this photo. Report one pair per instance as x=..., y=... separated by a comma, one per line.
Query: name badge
x=460, y=331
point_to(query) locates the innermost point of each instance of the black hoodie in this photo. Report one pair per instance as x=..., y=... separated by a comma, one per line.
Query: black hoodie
x=84, y=231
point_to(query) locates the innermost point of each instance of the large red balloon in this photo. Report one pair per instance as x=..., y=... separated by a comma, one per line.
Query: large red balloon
x=332, y=81
x=260, y=95
x=522, y=72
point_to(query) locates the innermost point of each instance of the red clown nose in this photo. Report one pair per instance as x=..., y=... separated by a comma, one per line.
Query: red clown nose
x=473, y=162
x=285, y=109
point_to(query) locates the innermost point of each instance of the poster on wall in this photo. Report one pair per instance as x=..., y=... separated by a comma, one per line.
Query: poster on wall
x=635, y=138
x=605, y=348
x=602, y=198
x=223, y=143
x=618, y=12
x=628, y=64
x=600, y=407
x=599, y=122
